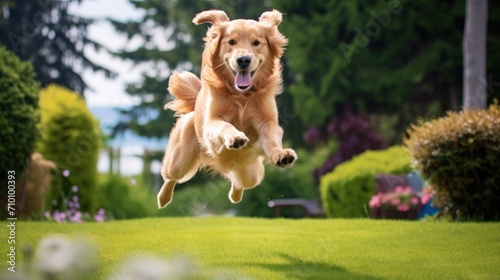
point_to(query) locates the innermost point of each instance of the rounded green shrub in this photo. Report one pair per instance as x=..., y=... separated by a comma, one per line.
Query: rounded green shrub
x=346, y=191
x=71, y=138
x=460, y=156
x=19, y=116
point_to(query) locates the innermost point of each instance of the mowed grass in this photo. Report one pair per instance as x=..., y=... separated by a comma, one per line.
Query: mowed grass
x=293, y=249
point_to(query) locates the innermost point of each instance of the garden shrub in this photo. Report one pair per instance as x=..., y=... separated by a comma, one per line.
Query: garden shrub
x=122, y=200
x=346, y=191
x=19, y=115
x=460, y=156
x=70, y=137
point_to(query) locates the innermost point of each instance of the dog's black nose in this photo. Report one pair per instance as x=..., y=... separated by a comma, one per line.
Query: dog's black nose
x=243, y=61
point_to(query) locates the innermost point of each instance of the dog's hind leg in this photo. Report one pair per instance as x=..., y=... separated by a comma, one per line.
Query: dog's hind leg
x=181, y=160
x=245, y=177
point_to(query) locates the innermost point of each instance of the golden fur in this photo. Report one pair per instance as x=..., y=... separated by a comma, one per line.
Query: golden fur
x=228, y=120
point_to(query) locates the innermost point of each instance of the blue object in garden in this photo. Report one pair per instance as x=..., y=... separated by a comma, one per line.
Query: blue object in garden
x=415, y=182
x=429, y=210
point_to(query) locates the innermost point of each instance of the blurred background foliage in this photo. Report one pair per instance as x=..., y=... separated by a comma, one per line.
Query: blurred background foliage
x=70, y=137
x=356, y=75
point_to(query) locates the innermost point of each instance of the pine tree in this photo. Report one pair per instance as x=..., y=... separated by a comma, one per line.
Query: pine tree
x=45, y=34
x=395, y=57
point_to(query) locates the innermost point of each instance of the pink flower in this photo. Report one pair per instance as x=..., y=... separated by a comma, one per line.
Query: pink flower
x=399, y=189
x=375, y=201
x=425, y=199
x=65, y=173
x=47, y=215
x=74, y=189
x=407, y=190
x=403, y=208
x=395, y=201
x=133, y=181
x=415, y=200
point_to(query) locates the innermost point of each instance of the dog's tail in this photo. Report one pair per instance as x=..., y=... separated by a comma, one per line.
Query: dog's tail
x=185, y=87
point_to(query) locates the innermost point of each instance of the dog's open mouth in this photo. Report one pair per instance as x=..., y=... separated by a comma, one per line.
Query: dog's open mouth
x=243, y=80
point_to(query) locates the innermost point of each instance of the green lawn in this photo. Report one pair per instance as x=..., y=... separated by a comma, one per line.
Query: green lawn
x=294, y=249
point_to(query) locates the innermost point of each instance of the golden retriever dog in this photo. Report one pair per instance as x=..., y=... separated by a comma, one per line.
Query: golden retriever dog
x=228, y=120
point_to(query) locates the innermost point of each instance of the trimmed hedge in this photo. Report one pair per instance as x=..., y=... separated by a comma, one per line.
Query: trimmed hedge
x=460, y=156
x=346, y=191
x=19, y=115
x=71, y=138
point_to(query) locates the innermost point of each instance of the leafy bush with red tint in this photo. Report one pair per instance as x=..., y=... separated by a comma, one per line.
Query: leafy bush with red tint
x=354, y=135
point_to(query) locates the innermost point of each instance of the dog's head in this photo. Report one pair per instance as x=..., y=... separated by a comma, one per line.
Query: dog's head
x=242, y=52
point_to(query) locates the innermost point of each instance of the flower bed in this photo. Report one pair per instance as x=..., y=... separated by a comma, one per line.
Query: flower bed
x=401, y=203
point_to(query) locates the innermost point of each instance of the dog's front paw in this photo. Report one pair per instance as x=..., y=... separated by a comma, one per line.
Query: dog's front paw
x=235, y=141
x=284, y=158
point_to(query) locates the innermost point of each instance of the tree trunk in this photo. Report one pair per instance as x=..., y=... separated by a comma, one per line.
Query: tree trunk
x=475, y=85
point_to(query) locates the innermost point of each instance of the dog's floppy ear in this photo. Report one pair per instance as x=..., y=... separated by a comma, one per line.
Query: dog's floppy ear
x=272, y=18
x=213, y=16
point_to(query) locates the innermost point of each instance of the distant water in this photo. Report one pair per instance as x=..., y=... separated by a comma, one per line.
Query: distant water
x=130, y=144
x=109, y=117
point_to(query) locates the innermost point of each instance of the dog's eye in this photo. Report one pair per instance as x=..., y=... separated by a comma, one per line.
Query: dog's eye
x=256, y=43
x=231, y=42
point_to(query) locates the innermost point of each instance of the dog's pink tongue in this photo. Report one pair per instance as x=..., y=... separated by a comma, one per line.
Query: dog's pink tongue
x=243, y=79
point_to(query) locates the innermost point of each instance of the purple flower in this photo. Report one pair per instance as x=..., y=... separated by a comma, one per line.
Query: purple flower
x=100, y=216
x=76, y=218
x=65, y=173
x=60, y=217
x=101, y=212
x=74, y=188
x=75, y=198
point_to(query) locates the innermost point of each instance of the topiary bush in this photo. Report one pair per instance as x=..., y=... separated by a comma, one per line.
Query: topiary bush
x=460, y=156
x=71, y=138
x=346, y=191
x=19, y=116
